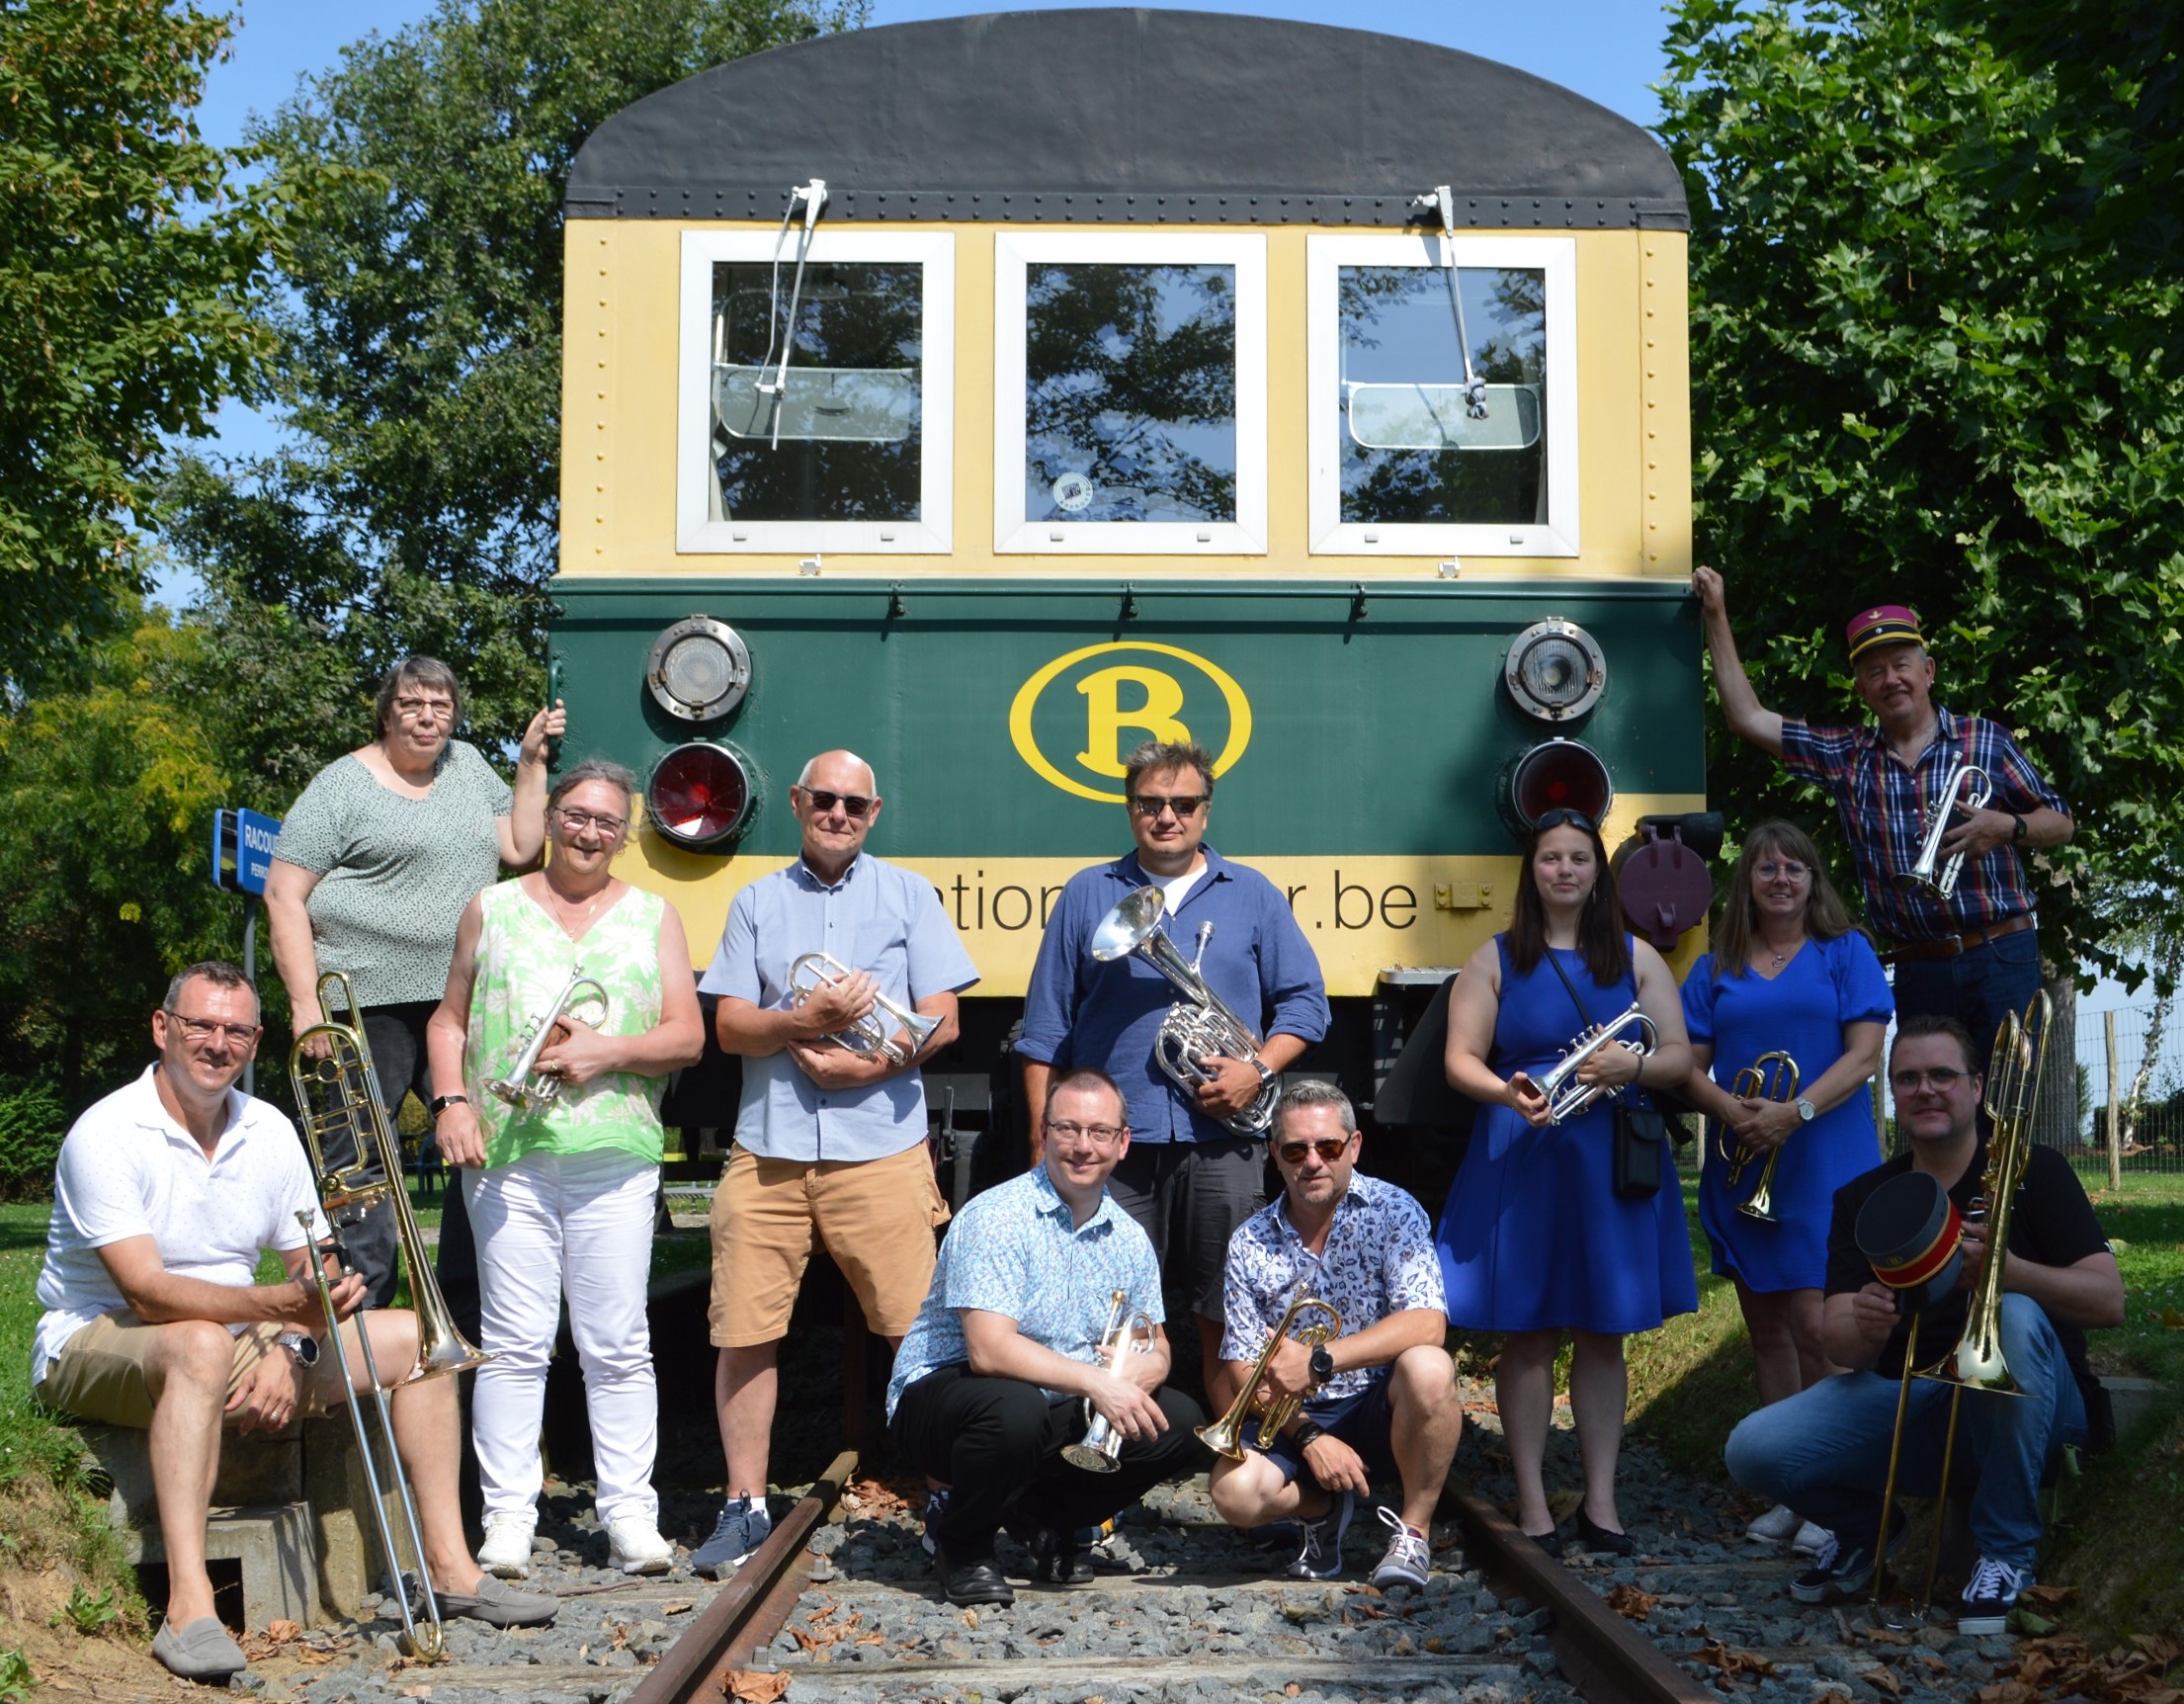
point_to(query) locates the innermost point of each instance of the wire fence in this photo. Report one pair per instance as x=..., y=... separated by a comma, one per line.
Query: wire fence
x=2131, y=1074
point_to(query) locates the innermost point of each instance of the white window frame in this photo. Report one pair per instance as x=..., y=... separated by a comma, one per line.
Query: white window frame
x=1331, y=535
x=1246, y=535
x=699, y=526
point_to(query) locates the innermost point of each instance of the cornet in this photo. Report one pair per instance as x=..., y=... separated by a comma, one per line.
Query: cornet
x=1565, y=1096
x=866, y=1035
x=526, y=1087
x=1224, y=1437
x=1771, y=1076
x=1100, y=1450
x=1967, y=788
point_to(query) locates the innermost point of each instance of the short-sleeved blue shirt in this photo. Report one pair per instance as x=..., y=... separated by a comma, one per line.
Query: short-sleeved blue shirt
x=879, y=917
x=1079, y=1011
x=1017, y=1250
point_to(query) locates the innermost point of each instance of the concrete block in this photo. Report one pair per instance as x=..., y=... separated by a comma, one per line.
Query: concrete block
x=272, y=1541
x=2130, y=1397
x=344, y=1537
x=264, y=1468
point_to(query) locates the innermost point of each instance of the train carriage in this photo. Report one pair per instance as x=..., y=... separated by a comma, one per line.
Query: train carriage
x=992, y=394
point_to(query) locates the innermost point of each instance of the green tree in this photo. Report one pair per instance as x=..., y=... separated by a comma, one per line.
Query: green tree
x=420, y=369
x=1931, y=363
x=130, y=274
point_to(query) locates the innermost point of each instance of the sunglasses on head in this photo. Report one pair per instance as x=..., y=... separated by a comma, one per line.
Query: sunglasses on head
x=1329, y=1149
x=1564, y=818
x=852, y=804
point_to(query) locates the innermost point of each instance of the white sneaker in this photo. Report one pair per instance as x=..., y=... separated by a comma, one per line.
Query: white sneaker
x=1810, y=1536
x=507, y=1547
x=1777, y=1524
x=635, y=1545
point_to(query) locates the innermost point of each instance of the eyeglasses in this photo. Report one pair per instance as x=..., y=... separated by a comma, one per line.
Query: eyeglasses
x=852, y=804
x=1564, y=818
x=423, y=709
x=1150, y=805
x=1941, y=1077
x=1789, y=867
x=1329, y=1149
x=205, y=1029
x=577, y=821
x=1070, y=1130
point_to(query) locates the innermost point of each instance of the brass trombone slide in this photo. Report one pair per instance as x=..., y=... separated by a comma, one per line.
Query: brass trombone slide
x=1771, y=1076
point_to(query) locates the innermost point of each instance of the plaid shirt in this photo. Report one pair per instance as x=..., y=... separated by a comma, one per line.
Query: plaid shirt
x=1883, y=808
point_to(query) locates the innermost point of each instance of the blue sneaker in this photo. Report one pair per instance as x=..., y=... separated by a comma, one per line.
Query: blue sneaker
x=743, y=1526
x=1321, y=1557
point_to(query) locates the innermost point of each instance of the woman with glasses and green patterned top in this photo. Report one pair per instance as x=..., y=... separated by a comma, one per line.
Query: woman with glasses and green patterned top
x=560, y=1190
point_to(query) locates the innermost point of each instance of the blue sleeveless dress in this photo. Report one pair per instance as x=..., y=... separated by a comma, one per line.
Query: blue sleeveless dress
x=1534, y=1236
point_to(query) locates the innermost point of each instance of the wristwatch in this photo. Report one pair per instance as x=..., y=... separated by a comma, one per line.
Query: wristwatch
x=1322, y=1364
x=303, y=1345
x=440, y=1102
x=1258, y=1065
x=1807, y=1111
x=2017, y=834
x=1306, y=1433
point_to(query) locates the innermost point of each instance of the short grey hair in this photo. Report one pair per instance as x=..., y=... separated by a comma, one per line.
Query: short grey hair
x=425, y=671
x=1157, y=755
x=803, y=775
x=594, y=769
x=219, y=972
x=1311, y=1091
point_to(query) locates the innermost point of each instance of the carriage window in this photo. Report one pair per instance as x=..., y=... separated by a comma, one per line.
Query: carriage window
x=815, y=395
x=1129, y=394
x=1415, y=447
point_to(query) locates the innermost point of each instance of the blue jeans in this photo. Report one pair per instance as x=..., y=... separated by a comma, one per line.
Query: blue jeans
x=1825, y=1450
x=1977, y=988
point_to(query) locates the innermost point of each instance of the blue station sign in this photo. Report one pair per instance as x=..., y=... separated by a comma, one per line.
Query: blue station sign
x=242, y=850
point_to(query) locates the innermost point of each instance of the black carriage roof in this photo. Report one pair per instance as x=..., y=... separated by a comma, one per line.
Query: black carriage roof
x=1132, y=116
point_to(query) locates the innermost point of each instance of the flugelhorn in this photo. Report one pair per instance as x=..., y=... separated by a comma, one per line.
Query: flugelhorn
x=1224, y=1437
x=1101, y=1448
x=1200, y=1025
x=1967, y=788
x=1565, y=1096
x=524, y=1086
x=1771, y=1076
x=867, y=1034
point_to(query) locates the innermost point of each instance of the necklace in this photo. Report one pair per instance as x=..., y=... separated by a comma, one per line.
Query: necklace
x=1783, y=958
x=574, y=914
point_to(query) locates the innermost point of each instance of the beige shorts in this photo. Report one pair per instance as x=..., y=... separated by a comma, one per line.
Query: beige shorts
x=875, y=1216
x=99, y=1374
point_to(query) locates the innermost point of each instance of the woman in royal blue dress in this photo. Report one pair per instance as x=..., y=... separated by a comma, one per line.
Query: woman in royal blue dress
x=1535, y=1242
x=1788, y=973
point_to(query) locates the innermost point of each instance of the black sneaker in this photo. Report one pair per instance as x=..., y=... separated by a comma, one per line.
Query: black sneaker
x=1842, y=1571
x=1990, y=1598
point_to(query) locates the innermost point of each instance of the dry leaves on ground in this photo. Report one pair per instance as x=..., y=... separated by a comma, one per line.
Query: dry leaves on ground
x=1631, y=1603
x=2134, y=1674
x=754, y=1686
x=872, y=1499
x=1732, y=1664
x=260, y=1646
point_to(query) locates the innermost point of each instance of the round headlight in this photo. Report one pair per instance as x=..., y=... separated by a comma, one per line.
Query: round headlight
x=700, y=794
x=698, y=669
x=1554, y=670
x=1558, y=775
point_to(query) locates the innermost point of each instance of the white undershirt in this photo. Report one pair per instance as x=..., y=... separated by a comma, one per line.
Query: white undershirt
x=1176, y=887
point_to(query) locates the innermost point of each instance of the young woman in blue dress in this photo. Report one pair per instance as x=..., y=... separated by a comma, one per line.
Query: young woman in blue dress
x=1788, y=973
x=1534, y=1242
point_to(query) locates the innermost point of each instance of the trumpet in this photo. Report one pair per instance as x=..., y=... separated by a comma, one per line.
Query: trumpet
x=1224, y=1437
x=1771, y=1076
x=339, y=1095
x=865, y=1035
x=524, y=1086
x=1100, y=1450
x=1565, y=1096
x=1967, y=788
x=1197, y=1026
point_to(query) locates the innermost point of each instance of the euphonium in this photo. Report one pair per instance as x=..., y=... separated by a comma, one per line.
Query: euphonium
x=1224, y=1437
x=1565, y=1096
x=1101, y=1448
x=1771, y=1076
x=1967, y=788
x=1197, y=1026
x=524, y=1087
x=865, y=1035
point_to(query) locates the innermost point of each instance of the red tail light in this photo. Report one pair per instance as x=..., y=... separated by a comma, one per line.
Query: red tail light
x=700, y=794
x=1556, y=775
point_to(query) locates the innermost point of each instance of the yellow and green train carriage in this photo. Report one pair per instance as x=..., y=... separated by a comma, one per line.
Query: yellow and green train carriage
x=988, y=394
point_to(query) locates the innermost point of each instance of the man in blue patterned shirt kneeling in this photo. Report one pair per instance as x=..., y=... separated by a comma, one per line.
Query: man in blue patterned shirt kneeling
x=1380, y=1395
x=995, y=1377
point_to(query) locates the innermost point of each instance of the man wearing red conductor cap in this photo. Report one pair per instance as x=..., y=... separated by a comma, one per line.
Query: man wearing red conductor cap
x=1824, y=1451
x=1971, y=953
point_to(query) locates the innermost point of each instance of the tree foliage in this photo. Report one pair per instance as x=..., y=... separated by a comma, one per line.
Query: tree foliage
x=130, y=274
x=1934, y=362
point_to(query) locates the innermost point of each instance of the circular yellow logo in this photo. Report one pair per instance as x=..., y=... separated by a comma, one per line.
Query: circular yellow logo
x=1125, y=699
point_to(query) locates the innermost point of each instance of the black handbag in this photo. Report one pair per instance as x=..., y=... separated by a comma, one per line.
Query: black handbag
x=1641, y=1134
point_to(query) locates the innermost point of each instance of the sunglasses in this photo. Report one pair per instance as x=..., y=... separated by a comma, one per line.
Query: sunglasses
x=1564, y=818
x=1329, y=1149
x=1150, y=805
x=852, y=804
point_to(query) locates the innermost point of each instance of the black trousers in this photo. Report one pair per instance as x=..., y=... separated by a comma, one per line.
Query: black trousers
x=395, y=1033
x=997, y=1442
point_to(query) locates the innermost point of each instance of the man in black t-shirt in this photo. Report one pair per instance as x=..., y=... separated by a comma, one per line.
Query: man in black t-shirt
x=1824, y=1451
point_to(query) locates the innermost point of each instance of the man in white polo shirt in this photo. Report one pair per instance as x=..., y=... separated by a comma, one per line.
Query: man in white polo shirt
x=165, y=1194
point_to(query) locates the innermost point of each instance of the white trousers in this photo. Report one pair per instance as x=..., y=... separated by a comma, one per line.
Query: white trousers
x=578, y=1224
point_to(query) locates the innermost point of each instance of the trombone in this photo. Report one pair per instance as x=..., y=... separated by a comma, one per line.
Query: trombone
x=338, y=1095
x=1100, y=1450
x=865, y=1035
x=1224, y=1437
x=1771, y=1076
x=1967, y=788
x=1565, y=1096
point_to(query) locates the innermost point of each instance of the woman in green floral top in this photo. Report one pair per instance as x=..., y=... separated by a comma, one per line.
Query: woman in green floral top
x=561, y=1193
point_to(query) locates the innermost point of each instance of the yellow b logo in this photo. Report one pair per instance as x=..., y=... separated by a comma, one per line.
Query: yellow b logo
x=1127, y=703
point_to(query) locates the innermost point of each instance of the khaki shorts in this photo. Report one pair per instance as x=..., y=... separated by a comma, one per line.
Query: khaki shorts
x=875, y=1216
x=99, y=1374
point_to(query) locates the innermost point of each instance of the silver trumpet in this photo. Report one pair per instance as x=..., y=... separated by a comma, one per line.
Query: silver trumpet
x=1197, y=1026
x=524, y=1086
x=867, y=1034
x=1100, y=1450
x=1566, y=1097
x=1967, y=788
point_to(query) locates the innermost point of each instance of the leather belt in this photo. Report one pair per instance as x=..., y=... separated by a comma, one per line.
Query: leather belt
x=1955, y=946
